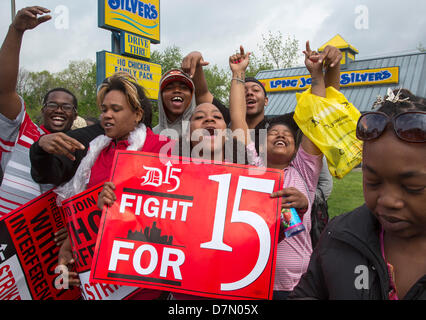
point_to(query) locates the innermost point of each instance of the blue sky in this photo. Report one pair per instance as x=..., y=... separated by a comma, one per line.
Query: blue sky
x=217, y=28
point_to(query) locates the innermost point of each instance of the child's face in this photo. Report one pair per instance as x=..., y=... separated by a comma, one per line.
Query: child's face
x=280, y=144
x=209, y=125
x=176, y=98
x=394, y=178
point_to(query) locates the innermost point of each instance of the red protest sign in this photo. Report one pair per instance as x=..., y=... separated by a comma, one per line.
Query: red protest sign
x=82, y=217
x=200, y=229
x=28, y=253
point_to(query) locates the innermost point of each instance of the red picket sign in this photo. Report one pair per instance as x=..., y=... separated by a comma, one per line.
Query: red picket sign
x=29, y=254
x=82, y=217
x=206, y=229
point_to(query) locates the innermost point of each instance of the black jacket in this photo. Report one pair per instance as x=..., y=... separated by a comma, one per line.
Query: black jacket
x=52, y=169
x=350, y=242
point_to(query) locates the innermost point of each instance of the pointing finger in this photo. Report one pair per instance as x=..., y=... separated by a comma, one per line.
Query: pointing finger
x=242, y=50
x=308, y=48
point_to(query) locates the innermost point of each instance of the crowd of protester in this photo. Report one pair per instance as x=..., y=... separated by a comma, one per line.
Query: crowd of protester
x=387, y=234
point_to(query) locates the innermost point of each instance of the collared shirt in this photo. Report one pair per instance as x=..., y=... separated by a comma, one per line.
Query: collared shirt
x=16, y=138
x=294, y=253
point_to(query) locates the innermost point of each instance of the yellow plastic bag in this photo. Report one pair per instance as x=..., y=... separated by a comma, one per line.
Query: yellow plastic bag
x=330, y=123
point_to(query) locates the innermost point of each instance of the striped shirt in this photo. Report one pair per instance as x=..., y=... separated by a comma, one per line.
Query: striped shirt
x=294, y=253
x=16, y=138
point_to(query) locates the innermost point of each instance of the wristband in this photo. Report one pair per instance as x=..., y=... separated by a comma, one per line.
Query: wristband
x=240, y=80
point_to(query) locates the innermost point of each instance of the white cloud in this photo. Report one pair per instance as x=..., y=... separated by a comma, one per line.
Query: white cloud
x=217, y=28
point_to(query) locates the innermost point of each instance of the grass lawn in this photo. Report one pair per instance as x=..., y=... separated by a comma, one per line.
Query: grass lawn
x=347, y=194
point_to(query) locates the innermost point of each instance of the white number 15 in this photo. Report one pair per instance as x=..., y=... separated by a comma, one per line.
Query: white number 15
x=242, y=216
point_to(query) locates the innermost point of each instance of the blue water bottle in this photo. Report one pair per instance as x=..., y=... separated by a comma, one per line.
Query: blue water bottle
x=291, y=222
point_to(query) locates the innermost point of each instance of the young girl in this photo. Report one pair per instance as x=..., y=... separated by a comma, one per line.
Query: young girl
x=205, y=121
x=301, y=168
x=126, y=119
x=378, y=250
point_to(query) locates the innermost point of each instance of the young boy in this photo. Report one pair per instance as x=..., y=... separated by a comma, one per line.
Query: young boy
x=176, y=102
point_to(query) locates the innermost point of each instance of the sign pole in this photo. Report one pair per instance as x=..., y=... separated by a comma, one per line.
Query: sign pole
x=131, y=35
x=115, y=42
x=13, y=6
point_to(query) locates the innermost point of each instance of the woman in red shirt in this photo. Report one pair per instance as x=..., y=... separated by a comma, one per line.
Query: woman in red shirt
x=126, y=118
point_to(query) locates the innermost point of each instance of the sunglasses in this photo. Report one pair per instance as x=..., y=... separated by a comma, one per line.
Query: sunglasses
x=409, y=126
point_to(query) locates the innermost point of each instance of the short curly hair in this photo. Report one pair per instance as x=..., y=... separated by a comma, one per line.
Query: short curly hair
x=135, y=94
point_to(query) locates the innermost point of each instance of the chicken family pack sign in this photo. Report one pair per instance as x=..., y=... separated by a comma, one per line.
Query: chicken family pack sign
x=207, y=229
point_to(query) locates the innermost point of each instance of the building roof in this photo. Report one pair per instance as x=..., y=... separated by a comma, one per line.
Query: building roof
x=338, y=42
x=412, y=76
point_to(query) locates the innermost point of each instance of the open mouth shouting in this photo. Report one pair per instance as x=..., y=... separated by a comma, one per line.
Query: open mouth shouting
x=280, y=143
x=250, y=103
x=177, y=101
x=210, y=132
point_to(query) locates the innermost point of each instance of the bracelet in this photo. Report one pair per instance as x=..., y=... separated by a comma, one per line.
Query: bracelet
x=240, y=80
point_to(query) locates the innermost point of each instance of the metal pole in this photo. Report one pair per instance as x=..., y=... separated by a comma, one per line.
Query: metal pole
x=115, y=42
x=12, y=4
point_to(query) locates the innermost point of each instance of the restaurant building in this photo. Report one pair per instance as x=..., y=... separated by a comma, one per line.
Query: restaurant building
x=361, y=80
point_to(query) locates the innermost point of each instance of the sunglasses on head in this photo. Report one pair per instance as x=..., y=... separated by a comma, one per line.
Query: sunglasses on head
x=409, y=126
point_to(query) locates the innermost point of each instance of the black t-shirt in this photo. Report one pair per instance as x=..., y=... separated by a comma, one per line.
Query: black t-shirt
x=257, y=138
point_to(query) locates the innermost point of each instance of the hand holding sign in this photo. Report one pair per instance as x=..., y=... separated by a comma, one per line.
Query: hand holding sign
x=66, y=260
x=292, y=198
x=107, y=195
x=60, y=236
x=162, y=234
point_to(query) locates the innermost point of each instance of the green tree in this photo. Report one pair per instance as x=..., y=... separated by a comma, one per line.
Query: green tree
x=218, y=82
x=170, y=58
x=36, y=86
x=79, y=77
x=281, y=53
x=256, y=65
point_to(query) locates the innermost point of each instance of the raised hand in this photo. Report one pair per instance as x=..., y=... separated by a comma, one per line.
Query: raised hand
x=330, y=57
x=312, y=60
x=26, y=19
x=192, y=61
x=239, y=61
